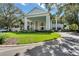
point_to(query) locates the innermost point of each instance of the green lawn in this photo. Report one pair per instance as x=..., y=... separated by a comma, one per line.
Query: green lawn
x=25, y=38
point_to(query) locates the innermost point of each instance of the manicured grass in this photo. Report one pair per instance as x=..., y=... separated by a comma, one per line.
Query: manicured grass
x=25, y=38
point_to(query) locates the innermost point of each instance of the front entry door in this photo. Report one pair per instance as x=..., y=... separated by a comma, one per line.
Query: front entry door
x=39, y=25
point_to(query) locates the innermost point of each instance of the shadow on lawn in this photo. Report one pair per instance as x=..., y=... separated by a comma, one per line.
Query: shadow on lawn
x=65, y=47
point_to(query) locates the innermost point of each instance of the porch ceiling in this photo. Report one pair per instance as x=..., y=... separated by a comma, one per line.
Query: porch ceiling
x=38, y=18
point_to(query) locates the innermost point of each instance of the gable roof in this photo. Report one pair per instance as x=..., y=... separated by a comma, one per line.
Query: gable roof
x=37, y=10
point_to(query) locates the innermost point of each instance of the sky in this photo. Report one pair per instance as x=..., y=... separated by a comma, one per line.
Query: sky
x=28, y=7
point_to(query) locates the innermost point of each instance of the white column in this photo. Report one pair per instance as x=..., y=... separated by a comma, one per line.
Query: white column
x=56, y=23
x=25, y=23
x=51, y=24
x=33, y=25
x=39, y=25
x=48, y=23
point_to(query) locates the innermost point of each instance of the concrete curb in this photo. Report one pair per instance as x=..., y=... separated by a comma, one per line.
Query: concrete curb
x=11, y=50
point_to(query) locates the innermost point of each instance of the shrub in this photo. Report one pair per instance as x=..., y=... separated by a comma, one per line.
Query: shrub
x=66, y=27
x=2, y=38
x=73, y=27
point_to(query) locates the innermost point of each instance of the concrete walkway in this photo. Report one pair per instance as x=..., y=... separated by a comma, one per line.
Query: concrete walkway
x=68, y=34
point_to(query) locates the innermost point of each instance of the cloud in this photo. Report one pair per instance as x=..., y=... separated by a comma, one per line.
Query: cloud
x=38, y=3
x=42, y=5
x=24, y=4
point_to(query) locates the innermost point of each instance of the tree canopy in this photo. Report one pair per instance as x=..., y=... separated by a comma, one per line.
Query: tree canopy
x=9, y=15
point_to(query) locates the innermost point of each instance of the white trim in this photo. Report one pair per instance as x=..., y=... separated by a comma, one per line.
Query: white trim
x=37, y=15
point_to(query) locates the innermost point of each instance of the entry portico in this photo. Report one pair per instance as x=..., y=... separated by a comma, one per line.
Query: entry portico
x=37, y=19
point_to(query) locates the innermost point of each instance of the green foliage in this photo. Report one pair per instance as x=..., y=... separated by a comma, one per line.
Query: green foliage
x=66, y=27
x=73, y=27
x=9, y=15
x=2, y=37
x=71, y=13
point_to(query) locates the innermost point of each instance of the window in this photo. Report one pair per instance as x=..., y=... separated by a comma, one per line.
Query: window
x=42, y=24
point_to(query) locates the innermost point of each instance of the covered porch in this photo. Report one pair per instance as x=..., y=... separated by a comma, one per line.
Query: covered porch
x=38, y=22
